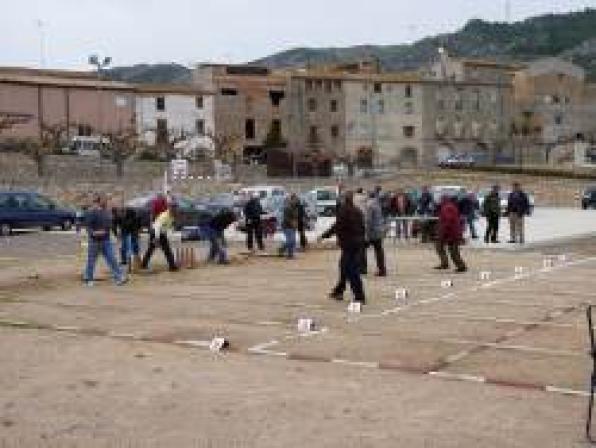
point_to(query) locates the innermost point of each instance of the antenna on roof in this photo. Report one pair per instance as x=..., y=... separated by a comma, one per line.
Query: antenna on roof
x=42, y=43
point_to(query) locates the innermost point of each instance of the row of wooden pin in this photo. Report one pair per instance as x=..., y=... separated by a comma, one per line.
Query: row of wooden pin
x=186, y=258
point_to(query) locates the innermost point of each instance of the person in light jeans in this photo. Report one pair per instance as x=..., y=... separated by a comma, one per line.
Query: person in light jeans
x=99, y=224
x=291, y=215
x=215, y=234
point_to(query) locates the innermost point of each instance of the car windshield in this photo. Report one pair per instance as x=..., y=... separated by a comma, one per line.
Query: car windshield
x=326, y=195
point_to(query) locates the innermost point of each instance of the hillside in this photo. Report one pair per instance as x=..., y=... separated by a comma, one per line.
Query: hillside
x=571, y=35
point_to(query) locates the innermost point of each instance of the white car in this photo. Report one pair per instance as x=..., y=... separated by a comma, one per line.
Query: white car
x=438, y=191
x=325, y=199
x=270, y=195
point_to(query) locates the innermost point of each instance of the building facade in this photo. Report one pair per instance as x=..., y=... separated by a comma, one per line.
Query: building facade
x=250, y=106
x=79, y=102
x=167, y=113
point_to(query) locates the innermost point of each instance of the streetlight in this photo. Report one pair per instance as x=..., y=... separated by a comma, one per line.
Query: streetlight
x=99, y=65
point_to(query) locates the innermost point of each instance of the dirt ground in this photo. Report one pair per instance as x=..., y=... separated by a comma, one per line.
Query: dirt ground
x=495, y=362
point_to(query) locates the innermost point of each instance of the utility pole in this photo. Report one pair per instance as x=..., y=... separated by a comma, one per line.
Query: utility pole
x=99, y=66
x=42, y=43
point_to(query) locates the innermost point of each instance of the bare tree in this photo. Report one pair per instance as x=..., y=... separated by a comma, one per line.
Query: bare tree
x=50, y=139
x=227, y=147
x=123, y=145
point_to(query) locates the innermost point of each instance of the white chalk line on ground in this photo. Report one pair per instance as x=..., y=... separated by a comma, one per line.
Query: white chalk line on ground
x=263, y=349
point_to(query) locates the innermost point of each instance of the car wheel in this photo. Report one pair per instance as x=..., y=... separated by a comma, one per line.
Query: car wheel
x=46, y=228
x=5, y=229
x=67, y=224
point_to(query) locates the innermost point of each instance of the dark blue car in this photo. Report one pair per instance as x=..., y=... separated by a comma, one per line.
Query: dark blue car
x=24, y=209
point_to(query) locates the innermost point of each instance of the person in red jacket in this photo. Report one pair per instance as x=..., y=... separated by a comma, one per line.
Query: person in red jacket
x=449, y=235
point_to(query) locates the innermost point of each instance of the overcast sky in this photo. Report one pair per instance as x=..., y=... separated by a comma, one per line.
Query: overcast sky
x=190, y=31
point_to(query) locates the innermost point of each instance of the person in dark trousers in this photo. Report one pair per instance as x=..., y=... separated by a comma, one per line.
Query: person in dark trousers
x=254, y=226
x=349, y=229
x=426, y=209
x=401, y=207
x=375, y=232
x=215, y=231
x=491, y=209
x=449, y=235
x=291, y=215
x=302, y=224
x=518, y=206
x=158, y=235
x=467, y=205
x=98, y=221
x=127, y=225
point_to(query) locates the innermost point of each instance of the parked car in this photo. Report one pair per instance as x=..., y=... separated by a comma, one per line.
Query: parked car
x=589, y=198
x=24, y=209
x=187, y=213
x=93, y=146
x=457, y=161
x=503, y=198
x=438, y=191
x=270, y=195
x=325, y=199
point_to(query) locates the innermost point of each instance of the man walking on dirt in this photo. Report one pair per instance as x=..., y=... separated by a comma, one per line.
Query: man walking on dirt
x=449, y=235
x=491, y=209
x=349, y=229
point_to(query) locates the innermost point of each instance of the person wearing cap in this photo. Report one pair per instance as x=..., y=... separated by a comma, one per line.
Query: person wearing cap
x=158, y=235
x=98, y=221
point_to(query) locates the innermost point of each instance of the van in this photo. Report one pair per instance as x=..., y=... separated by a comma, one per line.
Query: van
x=87, y=146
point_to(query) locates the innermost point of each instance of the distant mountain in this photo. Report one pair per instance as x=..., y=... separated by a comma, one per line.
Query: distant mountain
x=152, y=73
x=571, y=36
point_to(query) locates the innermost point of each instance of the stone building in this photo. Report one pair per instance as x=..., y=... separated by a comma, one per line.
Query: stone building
x=249, y=106
x=554, y=106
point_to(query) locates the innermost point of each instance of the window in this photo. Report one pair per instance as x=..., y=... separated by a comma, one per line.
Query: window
x=276, y=96
x=408, y=91
x=378, y=87
x=249, y=129
x=364, y=106
x=200, y=127
x=381, y=106
x=319, y=84
x=308, y=84
x=276, y=127
x=441, y=104
x=477, y=100
x=228, y=92
x=333, y=105
x=335, y=131
x=313, y=134
x=409, y=108
x=459, y=103
x=337, y=84
x=39, y=203
x=199, y=102
x=312, y=104
x=328, y=86
x=162, y=131
x=409, y=131
x=160, y=103
x=84, y=130
x=558, y=120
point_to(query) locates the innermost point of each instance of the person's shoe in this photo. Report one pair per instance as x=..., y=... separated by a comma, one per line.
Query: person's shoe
x=461, y=270
x=122, y=281
x=123, y=263
x=336, y=296
x=361, y=301
x=441, y=267
x=89, y=283
x=474, y=237
x=173, y=269
x=495, y=241
x=511, y=241
x=381, y=274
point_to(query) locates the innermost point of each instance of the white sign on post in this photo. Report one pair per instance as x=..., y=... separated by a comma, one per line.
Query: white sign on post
x=179, y=168
x=485, y=275
x=519, y=270
x=447, y=284
x=218, y=344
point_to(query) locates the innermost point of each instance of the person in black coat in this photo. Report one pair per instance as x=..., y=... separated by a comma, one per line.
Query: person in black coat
x=127, y=226
x=216, y=228
x=254, y=226
x=518, y=207
x=302, y=224
x=350, y=232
